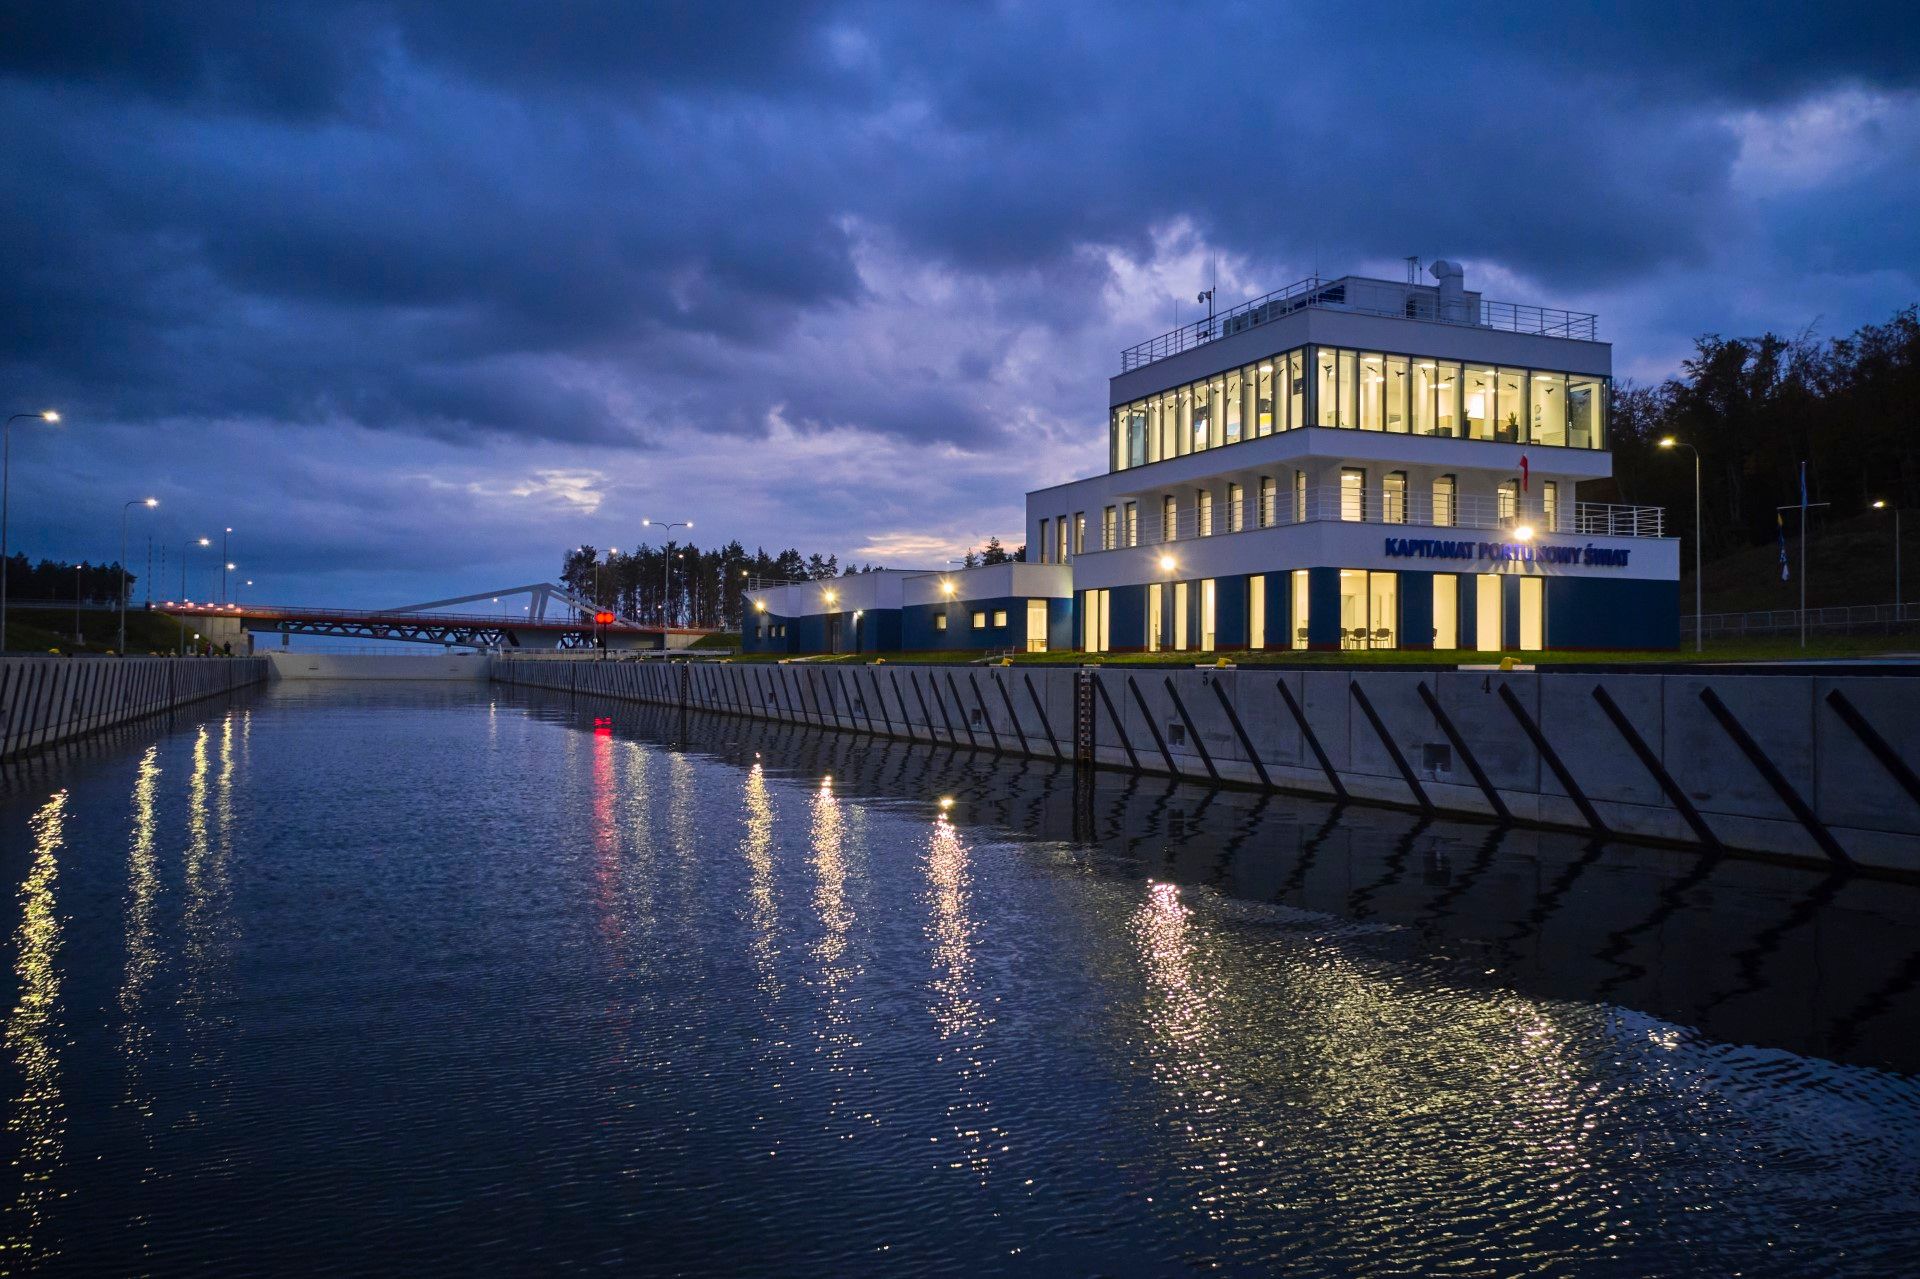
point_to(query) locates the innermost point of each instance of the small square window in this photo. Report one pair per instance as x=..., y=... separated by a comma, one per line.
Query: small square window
x=999, y=617
x=939, y=621
x=979, y=621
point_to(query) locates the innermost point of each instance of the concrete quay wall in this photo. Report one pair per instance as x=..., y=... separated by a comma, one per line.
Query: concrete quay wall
x=1819, y=767
x=44, y=700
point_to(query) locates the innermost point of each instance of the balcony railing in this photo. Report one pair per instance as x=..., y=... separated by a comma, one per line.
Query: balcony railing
x=1478, y=512
x=1511, y=317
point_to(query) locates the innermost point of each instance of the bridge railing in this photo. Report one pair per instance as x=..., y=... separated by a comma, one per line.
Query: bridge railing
x=508, y=621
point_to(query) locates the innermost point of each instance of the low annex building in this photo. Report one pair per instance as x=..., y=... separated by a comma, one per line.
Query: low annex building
x=1341, y=464
x=1025, y=608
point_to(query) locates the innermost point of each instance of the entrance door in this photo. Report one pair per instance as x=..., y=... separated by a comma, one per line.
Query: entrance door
x=1533, y=614
x=1036, y=626
x=1446, y=611
x=1209, y=598
x=1180, y=617
x=836, y=633
x=1487, y=620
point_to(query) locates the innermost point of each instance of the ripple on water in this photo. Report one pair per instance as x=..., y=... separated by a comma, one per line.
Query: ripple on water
x=438, y=979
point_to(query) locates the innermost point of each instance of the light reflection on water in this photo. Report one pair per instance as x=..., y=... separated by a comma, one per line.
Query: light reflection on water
x=442, y=979
x=37, y=1119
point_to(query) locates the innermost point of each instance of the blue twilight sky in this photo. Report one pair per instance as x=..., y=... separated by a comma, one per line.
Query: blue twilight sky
x=414, y=294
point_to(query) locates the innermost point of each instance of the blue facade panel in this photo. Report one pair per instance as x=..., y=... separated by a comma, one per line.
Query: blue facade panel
x=1586, y=614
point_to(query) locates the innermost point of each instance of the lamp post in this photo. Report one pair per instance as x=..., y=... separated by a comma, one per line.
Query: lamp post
x=149, y=503
x=225, y=567
x=1699, y=614
x=1882, y=505
x=611, y=552
x=6, y=476
x=185, y=547
x=666, y=569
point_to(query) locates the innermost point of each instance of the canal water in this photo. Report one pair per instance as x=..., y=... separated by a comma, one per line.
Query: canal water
x=451, y=979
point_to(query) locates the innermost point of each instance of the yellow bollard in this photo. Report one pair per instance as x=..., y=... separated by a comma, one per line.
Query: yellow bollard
x=1508, y=663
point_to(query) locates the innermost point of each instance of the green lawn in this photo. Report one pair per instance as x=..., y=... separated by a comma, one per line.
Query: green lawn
x=1756, y=650
x=41, y=630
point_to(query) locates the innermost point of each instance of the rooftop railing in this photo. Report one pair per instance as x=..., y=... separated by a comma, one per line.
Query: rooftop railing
x=1418, y=304
x=1423, y=510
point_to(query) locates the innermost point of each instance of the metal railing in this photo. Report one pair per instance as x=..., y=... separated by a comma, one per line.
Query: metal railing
x=1329, y=502
x=1511, y=317
x=275, y=612
x=1843, y=618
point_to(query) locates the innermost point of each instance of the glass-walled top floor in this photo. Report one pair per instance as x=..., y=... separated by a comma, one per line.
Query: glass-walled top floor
x=1366, y=391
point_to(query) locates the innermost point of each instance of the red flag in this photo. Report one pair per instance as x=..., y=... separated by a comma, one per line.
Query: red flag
x=1523, y=472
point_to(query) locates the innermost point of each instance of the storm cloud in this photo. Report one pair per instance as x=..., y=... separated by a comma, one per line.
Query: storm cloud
x=847, y=276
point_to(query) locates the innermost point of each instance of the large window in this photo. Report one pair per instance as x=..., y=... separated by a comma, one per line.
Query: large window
x=1369, y=609
x=1373, y=391
x=1108, y=528
x=1236, y=508
x=1204, y=508
x=1133, y=523
x=1353, y=493
x=1549, y=409
x=1045, y=543
x=1302, y=594
x=1444, y=488
x=1079, y=532
x=1393, y=498
x=1169, y=518
x=1268, y=496
x=1326, y=387
x=1480, y=396
x=1257, y=611
x=1368, y=390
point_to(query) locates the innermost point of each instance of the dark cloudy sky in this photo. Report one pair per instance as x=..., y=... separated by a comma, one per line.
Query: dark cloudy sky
x=413, y=295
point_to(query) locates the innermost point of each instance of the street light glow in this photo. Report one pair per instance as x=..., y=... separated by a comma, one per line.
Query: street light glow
x=1524, y=533
x=50, y=416
x=1168, y=564
x=152, y=501
x=1880, y=505
x=1667, y=441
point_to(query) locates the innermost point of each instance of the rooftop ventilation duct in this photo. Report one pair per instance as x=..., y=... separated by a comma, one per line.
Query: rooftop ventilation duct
x=1453, y=289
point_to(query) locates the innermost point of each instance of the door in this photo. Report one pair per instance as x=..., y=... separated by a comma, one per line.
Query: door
x=1487, y=620
x=1533, y=614
x=1036, y=626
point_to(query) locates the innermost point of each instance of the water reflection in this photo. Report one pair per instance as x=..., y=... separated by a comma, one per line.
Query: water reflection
x=763, y=911
x=143, y=952
x=958, y=1014
x=1182, y=1044
x=834, y=965
x=1658, y=930
x=37, y=1118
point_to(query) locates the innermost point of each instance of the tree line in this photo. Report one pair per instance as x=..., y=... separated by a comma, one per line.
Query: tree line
x=60, y=580
x=1757, y=407
x=682, y=584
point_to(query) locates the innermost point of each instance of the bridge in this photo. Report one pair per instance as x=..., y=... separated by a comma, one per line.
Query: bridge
x=571, y=625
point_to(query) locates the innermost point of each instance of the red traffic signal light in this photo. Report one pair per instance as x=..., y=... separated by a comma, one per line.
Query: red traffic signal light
x=603, y=618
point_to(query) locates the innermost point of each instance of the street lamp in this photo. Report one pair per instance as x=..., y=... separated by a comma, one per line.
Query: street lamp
x=666, y=569
x=185, y=547
x=236, y=592
x=224, y=550
x=149, y=503
x=6, y=475
x=1882, y=505
x=1699, y=614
